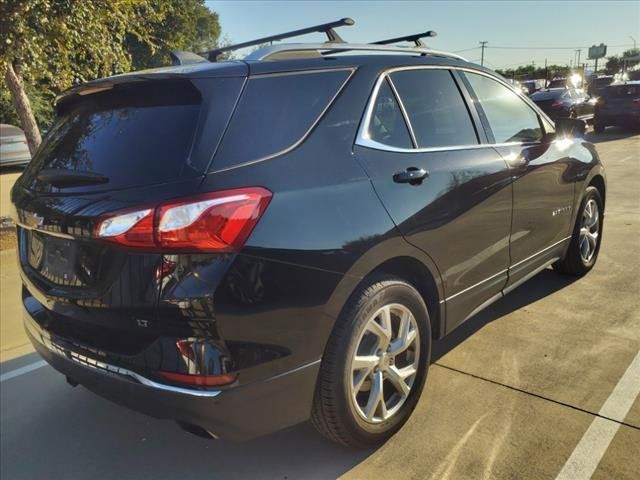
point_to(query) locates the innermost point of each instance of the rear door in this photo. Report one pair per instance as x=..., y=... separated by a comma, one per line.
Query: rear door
x=449, y=194
x=543, y=185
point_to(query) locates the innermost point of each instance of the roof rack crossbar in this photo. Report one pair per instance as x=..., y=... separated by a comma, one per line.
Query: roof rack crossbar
x=180, y=57
x=415, y=38
x=326, y=28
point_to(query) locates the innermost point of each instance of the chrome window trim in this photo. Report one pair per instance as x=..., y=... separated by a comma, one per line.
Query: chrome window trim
x=404, y=112
x=313, y=125
x=363, y=138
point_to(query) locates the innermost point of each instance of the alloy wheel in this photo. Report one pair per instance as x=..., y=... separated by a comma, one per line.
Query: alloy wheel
x=589, y=230
x=385, y=363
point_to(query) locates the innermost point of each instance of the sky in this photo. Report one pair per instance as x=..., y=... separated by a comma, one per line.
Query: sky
x=532, y=31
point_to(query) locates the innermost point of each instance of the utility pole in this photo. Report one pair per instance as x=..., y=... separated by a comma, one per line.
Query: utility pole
x=578, y=63
x=546, y=72
x=482, y=46
x=634, y=41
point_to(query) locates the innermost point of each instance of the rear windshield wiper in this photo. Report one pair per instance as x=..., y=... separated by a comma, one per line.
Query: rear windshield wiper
x=69, y=178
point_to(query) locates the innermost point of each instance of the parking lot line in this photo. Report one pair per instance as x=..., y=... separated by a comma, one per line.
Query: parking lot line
x=22, y=370
x=587, y=455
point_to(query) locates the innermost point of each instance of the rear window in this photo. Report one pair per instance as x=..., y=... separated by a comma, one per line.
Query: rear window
x=131, y=135
x=275, y=112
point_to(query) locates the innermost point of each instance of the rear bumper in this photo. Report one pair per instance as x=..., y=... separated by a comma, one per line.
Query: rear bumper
x=237, y=413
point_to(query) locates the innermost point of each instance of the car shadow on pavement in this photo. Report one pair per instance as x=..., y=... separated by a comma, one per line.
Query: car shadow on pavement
x=543, y=284
x=50, y=429
x=80, y=435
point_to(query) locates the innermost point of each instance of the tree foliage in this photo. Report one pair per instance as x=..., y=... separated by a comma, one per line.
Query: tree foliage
x=615, y=63
x=184, y=25
x=529, y=72
x=52, y=44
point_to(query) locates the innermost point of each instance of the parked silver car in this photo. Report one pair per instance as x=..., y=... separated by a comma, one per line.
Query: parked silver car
x=14, y=150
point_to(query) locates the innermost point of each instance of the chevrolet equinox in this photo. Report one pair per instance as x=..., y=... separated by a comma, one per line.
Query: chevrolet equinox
x=243, y=245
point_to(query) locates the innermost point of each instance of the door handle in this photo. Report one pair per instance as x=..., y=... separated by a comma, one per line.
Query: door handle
x=412, y=176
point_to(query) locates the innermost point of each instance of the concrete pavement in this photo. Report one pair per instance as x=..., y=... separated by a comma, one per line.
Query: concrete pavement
x=7, y=179
x=511, y=393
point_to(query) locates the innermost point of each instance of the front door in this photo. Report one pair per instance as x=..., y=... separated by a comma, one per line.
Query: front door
x=542, y=187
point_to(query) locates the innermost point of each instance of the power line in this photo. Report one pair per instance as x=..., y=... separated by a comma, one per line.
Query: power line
x=465, y=50
x=553, y=48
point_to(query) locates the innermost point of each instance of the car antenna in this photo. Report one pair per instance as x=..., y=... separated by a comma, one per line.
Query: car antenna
x=326, y=28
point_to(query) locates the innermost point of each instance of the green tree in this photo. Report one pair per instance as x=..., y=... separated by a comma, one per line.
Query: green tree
x=185, y=25
x=529, y=72
x=48, y=45
x=615, y=63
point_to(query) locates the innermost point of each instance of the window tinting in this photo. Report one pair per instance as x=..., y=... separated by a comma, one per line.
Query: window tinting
x=435, y=107
x=387, y=124
x=132, y=135
x=274, y=113
x=510, y=118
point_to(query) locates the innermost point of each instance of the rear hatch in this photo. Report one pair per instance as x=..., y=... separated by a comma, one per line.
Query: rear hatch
x=545, y=99
x=118, y=143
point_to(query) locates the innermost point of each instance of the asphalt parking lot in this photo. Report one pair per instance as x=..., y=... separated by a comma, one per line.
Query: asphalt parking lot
x=543, y=384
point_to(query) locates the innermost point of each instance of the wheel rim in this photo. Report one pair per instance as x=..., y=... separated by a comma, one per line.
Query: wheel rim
x=589, y=230
x=385, y=363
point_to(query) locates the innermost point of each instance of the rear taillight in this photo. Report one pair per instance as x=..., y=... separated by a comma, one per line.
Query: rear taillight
x=557, y=103
x=636, y=101
x=211, y=222
x=129, y=228
x=600, y=102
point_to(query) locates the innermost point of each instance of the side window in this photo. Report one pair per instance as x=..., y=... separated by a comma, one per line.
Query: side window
x=436, y=110
x=275, y=112
x=387, y=124
x=510, y=118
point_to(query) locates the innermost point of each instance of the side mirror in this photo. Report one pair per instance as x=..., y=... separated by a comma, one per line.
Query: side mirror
x=571, y=127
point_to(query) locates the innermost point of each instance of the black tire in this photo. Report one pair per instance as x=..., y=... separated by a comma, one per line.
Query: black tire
x=573, y=262
x=333, y=413
x=598, y=127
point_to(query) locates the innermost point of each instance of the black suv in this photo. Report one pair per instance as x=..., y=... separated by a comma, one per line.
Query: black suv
x=244, y=245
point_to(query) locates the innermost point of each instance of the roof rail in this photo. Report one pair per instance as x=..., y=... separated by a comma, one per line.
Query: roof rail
x=294, y=49
x=326, y=28
x=415, y=38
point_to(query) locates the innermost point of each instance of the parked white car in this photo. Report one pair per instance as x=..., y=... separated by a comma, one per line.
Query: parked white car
x=14, y=150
